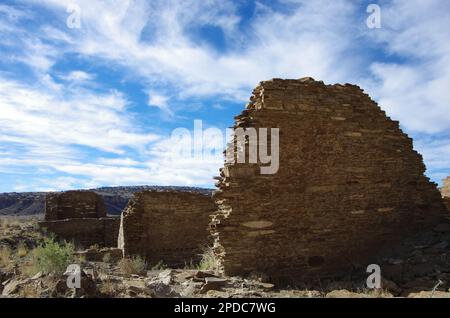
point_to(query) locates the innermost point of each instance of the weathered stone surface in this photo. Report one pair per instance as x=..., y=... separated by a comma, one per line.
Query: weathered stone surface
x=11, y=287
x=447, y=202
x=445, y=190
x=166, y=226
x=80, y=216
x=86, y=232
x=213, y=283
x=349, y=186
x=74, y=205
x=160, y=285
x=88, y=287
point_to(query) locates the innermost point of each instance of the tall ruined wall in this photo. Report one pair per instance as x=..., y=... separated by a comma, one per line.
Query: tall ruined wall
x=74, y=205
x=86, y=232
x=446, y=188
x=166, y=226
x=349, y=184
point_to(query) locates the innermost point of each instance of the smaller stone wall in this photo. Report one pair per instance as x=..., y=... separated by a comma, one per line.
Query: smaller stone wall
x=86, y=232
x=80, y=217
x=74, y=205
x=169, y=226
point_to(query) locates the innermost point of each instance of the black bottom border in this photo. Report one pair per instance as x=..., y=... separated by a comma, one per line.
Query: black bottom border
x=210, y=307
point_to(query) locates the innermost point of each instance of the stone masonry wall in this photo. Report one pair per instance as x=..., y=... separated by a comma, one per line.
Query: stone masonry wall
x=74, y=205
x=166, y=226
x=349, y=185
x=446, y=188
x=80, y=216
x=86, y=232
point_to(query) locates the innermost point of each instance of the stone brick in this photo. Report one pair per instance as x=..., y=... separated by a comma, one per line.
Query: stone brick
x=166, y=226
x=349, y=185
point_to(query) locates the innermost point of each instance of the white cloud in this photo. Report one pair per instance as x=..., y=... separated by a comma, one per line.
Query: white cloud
x=35, y=116
x=155, y=42
x=118, y=161
x=14, y=14
x=152, y=40
x=161, y=101
x=77, y=77
x=415, y=90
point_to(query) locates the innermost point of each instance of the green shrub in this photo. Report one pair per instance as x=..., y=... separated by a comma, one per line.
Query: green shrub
x=52, y=257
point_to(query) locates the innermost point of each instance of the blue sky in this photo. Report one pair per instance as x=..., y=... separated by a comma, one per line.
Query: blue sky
x=96, y=105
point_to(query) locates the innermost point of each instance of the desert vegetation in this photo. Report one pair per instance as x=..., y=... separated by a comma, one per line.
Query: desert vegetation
x=54, y=257
x=132, y=265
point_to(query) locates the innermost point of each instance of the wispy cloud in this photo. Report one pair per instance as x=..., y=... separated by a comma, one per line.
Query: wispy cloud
x=414, y=88
x=154, y=40
x=77, y=77
x=60, y=114
x=161, y=101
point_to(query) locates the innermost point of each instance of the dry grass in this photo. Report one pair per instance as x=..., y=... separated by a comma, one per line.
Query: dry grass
x=159, y=266
x=135, y=265
x=35, y=225
x=29, y=266
x=107, y=258
x=29, y=291
x=6, y=261
x=3, y=224
x=21, y=250
x=95, y=247
x=209, y=260
x=190, y=265
x=375, y=293
x=82, y=259
x=108, y=288
x=10, y=223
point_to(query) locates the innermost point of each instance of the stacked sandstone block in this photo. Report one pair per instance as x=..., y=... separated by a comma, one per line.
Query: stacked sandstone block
x=446, y=188
x=74, y=205
x=445, y=191
x=80, y=216
x=349, y=185
x=167, y=226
